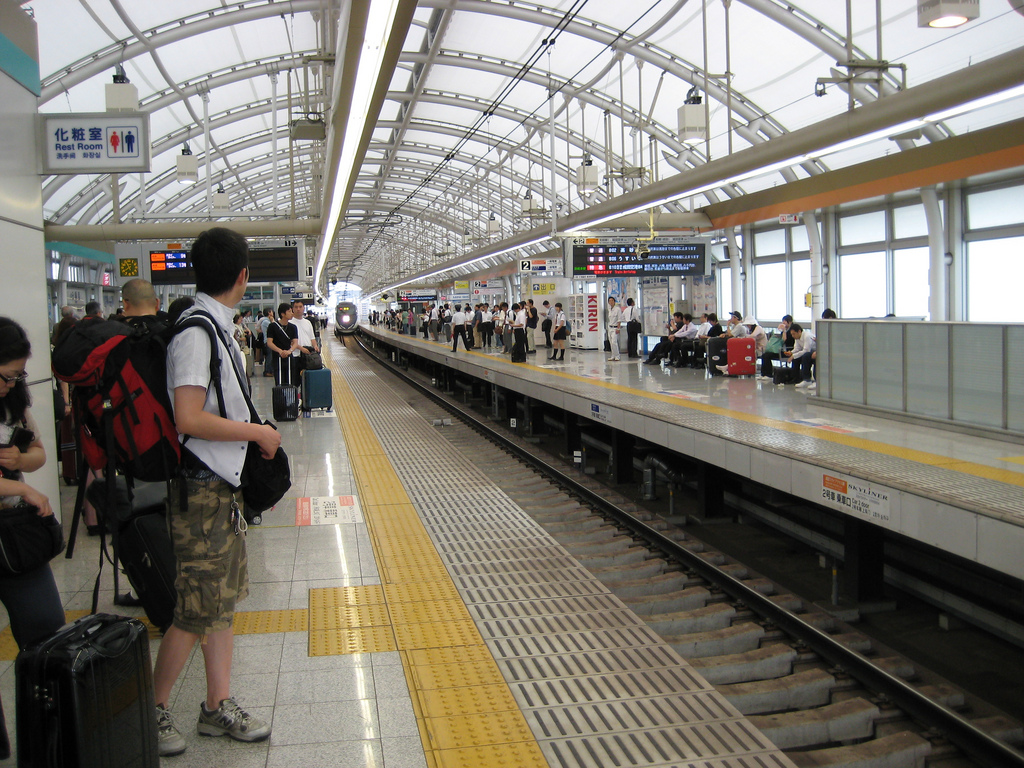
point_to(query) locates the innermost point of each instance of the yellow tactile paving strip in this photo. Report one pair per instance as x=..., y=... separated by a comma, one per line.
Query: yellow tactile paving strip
x=921, y=457
x=464, y=709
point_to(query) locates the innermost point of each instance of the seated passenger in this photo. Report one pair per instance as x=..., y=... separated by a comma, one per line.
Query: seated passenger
x=735, y=328
x=663, y=347
x=801, y=355
x=700, y=346
x=682, y=343
x=787, y=342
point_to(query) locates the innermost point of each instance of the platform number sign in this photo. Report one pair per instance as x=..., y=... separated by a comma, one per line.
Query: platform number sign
x=525, y=266
x=128, y=267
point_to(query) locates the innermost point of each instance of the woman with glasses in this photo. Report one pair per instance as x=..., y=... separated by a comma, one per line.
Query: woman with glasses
x=32, y=600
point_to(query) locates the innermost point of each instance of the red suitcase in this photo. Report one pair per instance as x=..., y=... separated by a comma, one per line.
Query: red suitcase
x=742, y=358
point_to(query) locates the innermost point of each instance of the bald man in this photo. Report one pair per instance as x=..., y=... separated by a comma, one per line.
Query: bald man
x=139, y=298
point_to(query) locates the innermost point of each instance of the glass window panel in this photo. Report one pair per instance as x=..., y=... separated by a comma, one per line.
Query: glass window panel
x=801, y=284
x=724, y=278
x=995, y=272
x=798, y=237
x=1015, y=379
x=885, y=365
x=846, y=362
x=862, y=285
x=910, y=221
x=995, y=207
x=978, y=374
x=770, y=243
x=770, y=292
x=910, y=275
x=862, y=228
x=928, y=369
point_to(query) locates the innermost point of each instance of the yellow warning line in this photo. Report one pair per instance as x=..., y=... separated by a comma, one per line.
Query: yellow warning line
x=465, y=711
x=1009, y=476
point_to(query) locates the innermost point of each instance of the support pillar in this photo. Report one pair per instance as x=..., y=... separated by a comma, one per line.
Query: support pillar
x=864, y=561
x=621, y=461
x=711, y=481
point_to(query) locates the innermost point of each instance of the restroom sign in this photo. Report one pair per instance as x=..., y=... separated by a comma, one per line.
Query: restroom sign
x=94, y=142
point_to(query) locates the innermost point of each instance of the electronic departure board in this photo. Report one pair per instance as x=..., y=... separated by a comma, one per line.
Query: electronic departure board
x=273, y=265
x=170, y=268
x=266, y=265
x=599, y=258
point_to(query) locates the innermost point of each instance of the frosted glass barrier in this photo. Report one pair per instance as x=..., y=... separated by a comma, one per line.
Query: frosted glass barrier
x=995, y=274
x=847, y=353
x=862, y=228
x=1015, y=378
x=909, y=221
x=995, y=208
x=977, y=356
x=724, y=278
x=770, y=243
x=862, y=285
x=770, y=292
x=798, y=238
x=927, y=351
x=824, y=369
x=910, y=277
x=801, y=271
x=884, y=357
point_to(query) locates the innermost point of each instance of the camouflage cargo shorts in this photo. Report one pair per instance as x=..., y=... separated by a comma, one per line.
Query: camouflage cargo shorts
x=212, y=574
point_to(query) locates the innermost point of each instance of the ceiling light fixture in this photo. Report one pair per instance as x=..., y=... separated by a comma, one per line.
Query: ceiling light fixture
x=946, y=14
x=187, y=166
x=379, y=27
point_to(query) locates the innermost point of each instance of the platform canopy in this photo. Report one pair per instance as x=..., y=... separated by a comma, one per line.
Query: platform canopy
x=484, y=111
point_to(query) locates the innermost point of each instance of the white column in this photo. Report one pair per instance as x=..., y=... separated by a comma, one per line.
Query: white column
x=936, y=255
x=817, y=279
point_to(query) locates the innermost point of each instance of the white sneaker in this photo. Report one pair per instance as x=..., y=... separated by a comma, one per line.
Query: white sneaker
x=812, y=385
x=723, y=368
x=613, y=359
x=802, y=384
x=764, y=378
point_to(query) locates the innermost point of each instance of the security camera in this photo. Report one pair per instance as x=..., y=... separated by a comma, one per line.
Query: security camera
x=642, y=251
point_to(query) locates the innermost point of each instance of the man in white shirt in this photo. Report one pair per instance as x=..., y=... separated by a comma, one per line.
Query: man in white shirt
x=631, y=318
x=682, y=343
x=433, y=321
x=306, y=336
x=208, y=532
x=548, y=323
x=459, y=328
x=614, y=321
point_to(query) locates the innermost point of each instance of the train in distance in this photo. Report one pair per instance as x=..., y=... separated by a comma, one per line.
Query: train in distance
x=346, y=318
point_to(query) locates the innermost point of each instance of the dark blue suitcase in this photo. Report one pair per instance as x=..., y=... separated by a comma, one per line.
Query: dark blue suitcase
x=316, y=389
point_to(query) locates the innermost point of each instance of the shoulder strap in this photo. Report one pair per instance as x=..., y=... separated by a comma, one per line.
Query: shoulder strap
x=213, y=330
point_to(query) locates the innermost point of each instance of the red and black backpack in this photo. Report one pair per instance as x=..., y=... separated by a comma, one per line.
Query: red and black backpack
x=123, y=411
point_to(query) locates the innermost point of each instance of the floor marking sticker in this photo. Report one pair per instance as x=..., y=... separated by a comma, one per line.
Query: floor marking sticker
x=327, y=510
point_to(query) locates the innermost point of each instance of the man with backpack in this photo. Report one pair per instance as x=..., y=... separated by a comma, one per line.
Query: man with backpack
x=206, y=521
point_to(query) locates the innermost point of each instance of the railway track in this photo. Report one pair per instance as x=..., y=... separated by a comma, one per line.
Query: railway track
x=825, y=693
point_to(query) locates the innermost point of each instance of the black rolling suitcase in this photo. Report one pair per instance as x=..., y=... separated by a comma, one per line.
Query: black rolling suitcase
x=286, y=396
x=718, y=354
x=85, y=697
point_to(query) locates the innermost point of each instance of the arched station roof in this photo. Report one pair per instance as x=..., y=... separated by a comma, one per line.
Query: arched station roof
x=491, y=101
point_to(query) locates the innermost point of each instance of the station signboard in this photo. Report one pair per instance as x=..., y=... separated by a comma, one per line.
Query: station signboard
x=94, y=142
x=548, y=267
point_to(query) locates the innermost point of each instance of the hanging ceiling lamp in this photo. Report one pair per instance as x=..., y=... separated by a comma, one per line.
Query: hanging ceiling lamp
x=944, y=14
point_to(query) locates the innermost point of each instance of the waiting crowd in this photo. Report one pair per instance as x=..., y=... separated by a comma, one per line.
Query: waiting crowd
x=787, y=354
